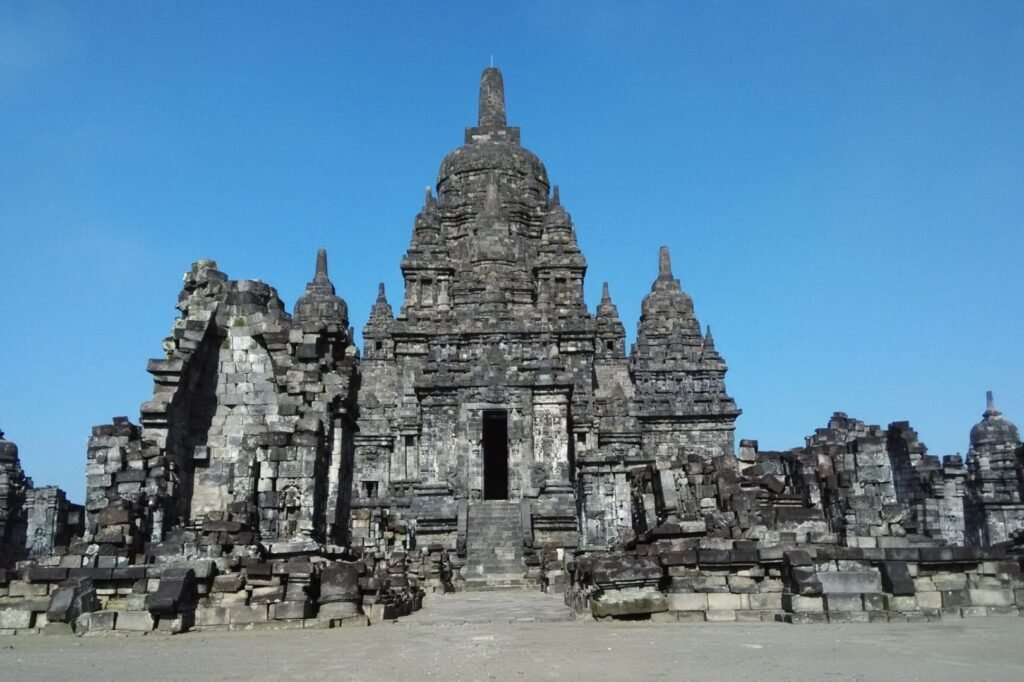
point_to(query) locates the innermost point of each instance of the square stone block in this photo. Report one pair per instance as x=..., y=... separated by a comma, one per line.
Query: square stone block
x=15, y=619
x=720, y=615
x=687, y=601
x=724, y=601
x=849, y=617
x=981, y=597
x=843, y=602
x=929, y=600
x=900, y=603
x=691, y=616
x=627, y=602
x=740, y=584
x=766, y=602
x=664, y=617
x=287, y=610
x=806, y=618
x=338, y=610
x=97, y=621
x=850, y=582
x=239, y=614
x=134, y=621
x=22, y=588
x=749, y=616
x=212, y=615
x=795, y=603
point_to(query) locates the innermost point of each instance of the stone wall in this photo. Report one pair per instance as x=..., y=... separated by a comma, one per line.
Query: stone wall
x=34, y=522
x=811, y=585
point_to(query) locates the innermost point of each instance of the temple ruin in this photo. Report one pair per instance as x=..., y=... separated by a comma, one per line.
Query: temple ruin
x=491, y=433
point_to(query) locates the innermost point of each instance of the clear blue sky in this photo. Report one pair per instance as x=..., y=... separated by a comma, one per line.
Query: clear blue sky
x=841, y=184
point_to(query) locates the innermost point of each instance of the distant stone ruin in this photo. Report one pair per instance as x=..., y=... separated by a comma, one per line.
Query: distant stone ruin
x=494, y=433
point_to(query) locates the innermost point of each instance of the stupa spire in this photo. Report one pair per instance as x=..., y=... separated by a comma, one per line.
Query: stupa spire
x=492, y=99
x=664, y=264
x=321, y=265
x=990, y=405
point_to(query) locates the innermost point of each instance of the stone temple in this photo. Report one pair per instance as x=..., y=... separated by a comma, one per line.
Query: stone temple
x=492, y=433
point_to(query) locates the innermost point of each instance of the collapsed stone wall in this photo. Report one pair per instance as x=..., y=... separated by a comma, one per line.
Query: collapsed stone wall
x=172, y=594
x=810, y=585
x=34, y=521
x=247, y=431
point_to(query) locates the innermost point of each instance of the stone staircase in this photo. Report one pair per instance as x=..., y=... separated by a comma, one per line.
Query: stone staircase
x=494, y=547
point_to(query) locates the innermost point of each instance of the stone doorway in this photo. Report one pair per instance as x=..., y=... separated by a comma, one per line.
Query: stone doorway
x=495, y=447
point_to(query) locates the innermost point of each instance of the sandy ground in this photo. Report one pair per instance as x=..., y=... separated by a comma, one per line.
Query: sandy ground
x=477, y=644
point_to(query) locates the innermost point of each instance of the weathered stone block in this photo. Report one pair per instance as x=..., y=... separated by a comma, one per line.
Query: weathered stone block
x=95, y=621
x=687, y=601
x=839, y=601
x=896, y=578
x=848, y=616
x=690, y=616
x=212, y=615
x=338, y=610
x=239, y=614
x=339, y=581
x=740, y=584
x=290, y=610
x=71, y=599
x=766, y=601
x=15, y=619
x=175, y=592
x=849, y=582
x=795, y=603
x=231, y=582
x=982, y=597
x=900, y=602
x=724, y=601
x=929, y=600
x=628, y=602
x=720, y=615
x=624, y=569
x=135, y=621
x=23, y=588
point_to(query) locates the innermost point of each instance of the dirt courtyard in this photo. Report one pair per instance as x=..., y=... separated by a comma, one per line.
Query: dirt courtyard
x=469, y=639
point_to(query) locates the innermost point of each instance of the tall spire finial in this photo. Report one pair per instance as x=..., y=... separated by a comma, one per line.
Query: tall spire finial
x=556, y=198
x=605, y=296
x=321, y=264
x=492, y=99
x=381, y=298
x=664, y=264
x=990, y=405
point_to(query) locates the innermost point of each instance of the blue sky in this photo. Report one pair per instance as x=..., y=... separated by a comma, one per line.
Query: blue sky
x=840, y=184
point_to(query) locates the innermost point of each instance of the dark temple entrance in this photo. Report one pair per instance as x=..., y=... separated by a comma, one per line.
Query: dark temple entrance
x=495, y=442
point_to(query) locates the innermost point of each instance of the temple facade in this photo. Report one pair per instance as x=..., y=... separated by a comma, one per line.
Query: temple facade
x=495, y=385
